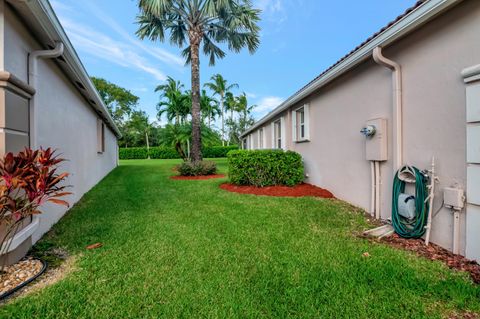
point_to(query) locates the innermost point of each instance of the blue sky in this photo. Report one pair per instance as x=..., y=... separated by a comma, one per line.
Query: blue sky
x=299, y=39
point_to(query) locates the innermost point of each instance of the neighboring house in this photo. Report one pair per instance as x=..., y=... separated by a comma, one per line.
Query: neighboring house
x=436, y=45
x=48, y=100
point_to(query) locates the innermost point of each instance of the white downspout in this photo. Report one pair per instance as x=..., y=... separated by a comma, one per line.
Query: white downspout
x=372, y=194
x=32, y=79
x=398, y=104
x=377, y=190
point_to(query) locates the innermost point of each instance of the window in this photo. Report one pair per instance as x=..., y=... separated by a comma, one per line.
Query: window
x=277, y=134
x=300, y=127
x=100, y=136
x=260, y=138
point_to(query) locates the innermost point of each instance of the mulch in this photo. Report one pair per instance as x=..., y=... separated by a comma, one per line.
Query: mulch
x=435, y=252
x=194, y=178
x=300, y=190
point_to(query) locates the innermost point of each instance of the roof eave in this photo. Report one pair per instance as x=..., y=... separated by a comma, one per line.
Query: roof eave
x=418, y=17
x=54, y=32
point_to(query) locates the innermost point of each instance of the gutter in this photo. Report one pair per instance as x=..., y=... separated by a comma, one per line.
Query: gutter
x=33, y=58
x=51, y=31
x=418, y=17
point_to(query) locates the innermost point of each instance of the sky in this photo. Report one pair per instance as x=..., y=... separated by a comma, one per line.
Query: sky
x=298, y=40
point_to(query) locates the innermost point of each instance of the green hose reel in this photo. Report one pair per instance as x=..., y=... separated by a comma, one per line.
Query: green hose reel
x=410, y=227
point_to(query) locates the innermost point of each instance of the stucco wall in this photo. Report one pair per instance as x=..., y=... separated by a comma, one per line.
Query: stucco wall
x=432, y=59
x=65, y=120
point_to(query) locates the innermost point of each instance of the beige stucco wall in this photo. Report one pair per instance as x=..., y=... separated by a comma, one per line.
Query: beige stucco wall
x=66, y=122
x=432, y=59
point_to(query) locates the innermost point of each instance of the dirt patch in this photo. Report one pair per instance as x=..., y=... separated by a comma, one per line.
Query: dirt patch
x=196, y=178
x=300, y=190
x=435, y=252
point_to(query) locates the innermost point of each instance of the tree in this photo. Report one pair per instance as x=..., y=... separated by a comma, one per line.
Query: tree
x=220, y=87
x=174, y=103
x=200, y=24
x=209, y=107
x=244, y=119
x=119, y=101
x=137, y=129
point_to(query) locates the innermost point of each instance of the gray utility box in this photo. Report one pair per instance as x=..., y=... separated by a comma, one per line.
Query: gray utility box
x=377, y=144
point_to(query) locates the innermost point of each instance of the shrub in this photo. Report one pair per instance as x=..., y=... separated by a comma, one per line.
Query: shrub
x=265, y=167
x=133, y=153
x=163, y=153
x=169, y=152
x=218, y=151
x=28, y=180
x=189, y=168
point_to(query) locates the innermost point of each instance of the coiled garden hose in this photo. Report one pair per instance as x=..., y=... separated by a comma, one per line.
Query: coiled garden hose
x=411, y=228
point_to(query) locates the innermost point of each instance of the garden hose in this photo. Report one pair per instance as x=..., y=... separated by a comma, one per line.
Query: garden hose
x=415, y=227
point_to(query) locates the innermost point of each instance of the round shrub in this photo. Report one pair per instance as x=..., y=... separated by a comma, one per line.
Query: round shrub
x=201, y=168
x=265, y=167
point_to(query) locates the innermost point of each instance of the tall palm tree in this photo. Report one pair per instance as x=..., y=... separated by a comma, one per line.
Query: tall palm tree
x=209, y=107
x=200, y=24
x=173, y=101
x=220, y=87
x=243, y=108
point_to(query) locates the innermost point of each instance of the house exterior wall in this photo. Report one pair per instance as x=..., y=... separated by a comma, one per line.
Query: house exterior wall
x=65, y=121
x=432, y=58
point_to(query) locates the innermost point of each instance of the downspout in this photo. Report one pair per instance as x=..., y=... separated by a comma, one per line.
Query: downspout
x=398, y=103
x=32, y=79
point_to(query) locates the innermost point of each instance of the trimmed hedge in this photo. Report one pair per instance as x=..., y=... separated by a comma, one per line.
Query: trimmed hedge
x=170, y=152
x=197, y=169
x=265, y=167
x=218, y=151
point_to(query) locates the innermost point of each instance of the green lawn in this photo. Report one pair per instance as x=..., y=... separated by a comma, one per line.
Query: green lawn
x=188, y=249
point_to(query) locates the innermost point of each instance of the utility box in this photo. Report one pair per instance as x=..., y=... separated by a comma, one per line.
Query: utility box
x=453, y=198
x=377, y=143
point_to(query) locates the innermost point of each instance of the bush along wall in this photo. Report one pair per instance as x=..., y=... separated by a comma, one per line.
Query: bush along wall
x=170, y=153
x=265, y=167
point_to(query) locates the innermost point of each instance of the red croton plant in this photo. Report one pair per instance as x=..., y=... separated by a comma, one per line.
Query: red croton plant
x=27, y=181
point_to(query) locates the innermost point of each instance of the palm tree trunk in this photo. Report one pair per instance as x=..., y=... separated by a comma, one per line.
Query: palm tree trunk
x=196, y=152
x=223, y=118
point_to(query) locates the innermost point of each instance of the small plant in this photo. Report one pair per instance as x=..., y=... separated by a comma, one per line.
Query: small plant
x=189, y=168
x=27, y=181
x=265, y=168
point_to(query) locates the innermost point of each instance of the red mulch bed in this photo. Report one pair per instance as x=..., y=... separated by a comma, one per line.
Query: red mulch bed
x=435, y=252
x=196, y=178
x=300, y=190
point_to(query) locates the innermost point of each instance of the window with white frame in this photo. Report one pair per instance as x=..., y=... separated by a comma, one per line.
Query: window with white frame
x=260, y=138
x=100, y=136
x=300, y=124
x=277, y=134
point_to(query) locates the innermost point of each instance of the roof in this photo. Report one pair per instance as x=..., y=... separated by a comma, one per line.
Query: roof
x=43, y=23
x=413, y=18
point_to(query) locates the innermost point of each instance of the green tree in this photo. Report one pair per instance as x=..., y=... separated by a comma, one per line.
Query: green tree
x=119, y=101
x=200, y=24
x=173, y=102
x=209, y=107
x=220, y=87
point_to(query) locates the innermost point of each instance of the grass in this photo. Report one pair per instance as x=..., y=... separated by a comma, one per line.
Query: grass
x=188, y=249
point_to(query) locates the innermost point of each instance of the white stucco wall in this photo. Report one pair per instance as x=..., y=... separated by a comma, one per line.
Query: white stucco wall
x=432, y=59
x=66, y=122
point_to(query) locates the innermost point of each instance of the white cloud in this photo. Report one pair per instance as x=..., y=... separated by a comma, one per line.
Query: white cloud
x=267, y=104
x=158, y=53
x=106, y=48
x=273, y=10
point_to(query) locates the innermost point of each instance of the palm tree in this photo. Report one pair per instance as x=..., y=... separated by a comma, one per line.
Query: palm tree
x=243, y=109
x=209, y=107
x=220, y=87
x=173, y=101
x=200, y=23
